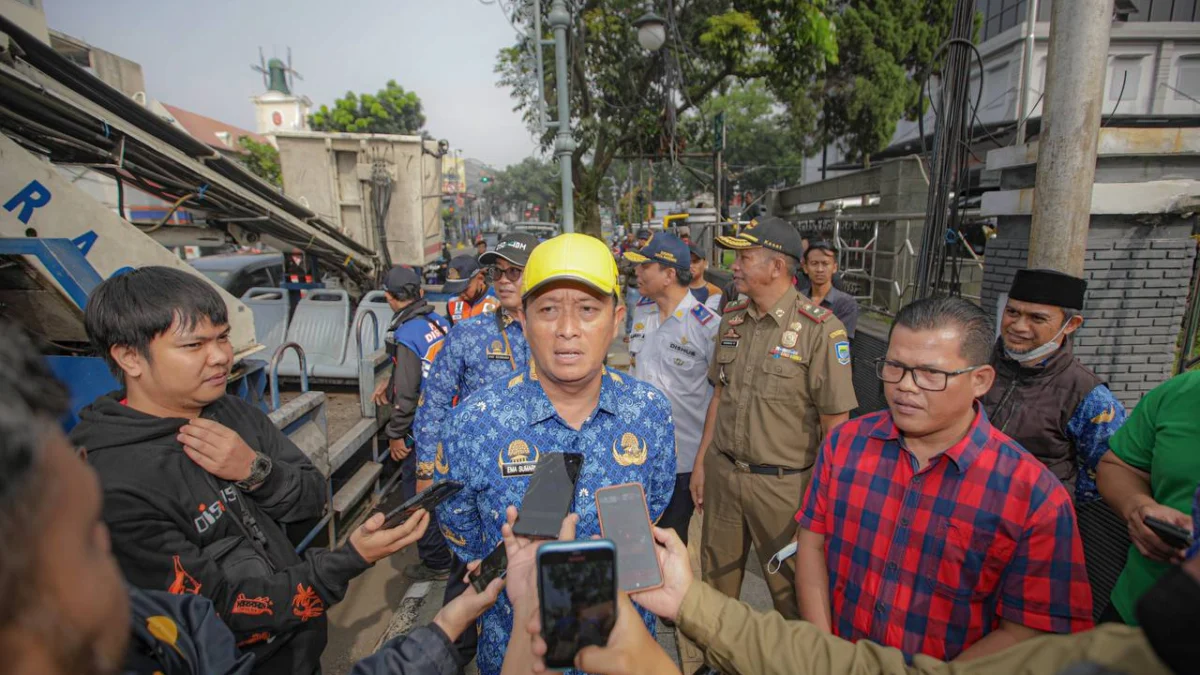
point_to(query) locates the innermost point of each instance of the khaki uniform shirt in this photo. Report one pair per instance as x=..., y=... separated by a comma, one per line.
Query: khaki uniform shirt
x=778, y=371
x=737, y=639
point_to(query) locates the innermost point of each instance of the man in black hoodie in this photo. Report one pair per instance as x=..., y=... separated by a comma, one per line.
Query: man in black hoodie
x=198, y=485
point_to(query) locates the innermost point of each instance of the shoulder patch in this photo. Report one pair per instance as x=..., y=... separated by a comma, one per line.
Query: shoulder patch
x=703, y=314
x=615, y=377
x=814, y=313
x=516, y=380
x=737, y=305
x=644, y=300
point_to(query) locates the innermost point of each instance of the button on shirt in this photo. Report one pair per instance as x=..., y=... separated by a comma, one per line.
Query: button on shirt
x=475, y=353
x=500, y=434
x=673, y=355
x=775, y=386
x=930, y=560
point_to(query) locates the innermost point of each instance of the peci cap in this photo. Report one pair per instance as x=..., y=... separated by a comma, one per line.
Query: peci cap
x=515, y=248
x=1048, y=287
x=664, y=248
x=768, y=232
x=401, y=277
x=571, y=257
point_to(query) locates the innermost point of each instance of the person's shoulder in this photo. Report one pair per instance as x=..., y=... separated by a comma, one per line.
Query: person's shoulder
x=703, y=315
x=1026, y=477
x=737, y=305
x=635, y=389
x=645, y=301
x=713, y=289
x=811, y=312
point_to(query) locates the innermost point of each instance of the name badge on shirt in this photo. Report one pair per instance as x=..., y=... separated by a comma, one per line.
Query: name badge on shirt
x=496, y=352
x=518, y=463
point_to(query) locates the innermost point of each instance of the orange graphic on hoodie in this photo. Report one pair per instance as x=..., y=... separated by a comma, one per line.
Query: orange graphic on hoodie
x=184, y=583
x=306, y=604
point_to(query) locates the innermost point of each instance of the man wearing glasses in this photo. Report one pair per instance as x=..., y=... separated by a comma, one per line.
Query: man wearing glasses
x=924, y=527
x=821, y=266
x=477, y=352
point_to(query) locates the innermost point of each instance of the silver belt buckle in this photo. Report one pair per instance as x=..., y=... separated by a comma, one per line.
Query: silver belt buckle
x=741, y=466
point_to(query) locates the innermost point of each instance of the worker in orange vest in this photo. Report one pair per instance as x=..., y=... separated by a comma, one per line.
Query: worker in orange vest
x=474, y=296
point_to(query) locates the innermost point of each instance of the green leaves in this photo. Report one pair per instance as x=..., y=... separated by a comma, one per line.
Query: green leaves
x=391, y=110
x=262, y=159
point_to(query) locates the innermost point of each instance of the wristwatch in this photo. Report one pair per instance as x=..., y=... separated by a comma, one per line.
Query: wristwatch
x=260, y=468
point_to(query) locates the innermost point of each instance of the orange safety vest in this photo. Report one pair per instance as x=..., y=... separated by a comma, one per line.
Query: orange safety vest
x=459, y=309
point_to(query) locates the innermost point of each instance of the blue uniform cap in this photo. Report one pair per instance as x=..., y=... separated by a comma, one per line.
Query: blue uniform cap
x=666, y=249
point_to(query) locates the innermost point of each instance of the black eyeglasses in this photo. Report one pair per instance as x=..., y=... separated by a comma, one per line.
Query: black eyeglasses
x=513, y=274
x=929, y=379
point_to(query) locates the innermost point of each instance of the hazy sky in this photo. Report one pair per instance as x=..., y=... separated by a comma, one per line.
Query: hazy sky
x=197, y=55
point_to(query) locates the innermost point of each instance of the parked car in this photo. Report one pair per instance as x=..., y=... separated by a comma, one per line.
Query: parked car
x=239, y=272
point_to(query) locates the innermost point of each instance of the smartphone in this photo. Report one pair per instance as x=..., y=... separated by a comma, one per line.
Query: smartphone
x=577, y=589
x=494, y=566
x=549, y=495
x=1172, y=535
x=397, y=509
x=625, y=520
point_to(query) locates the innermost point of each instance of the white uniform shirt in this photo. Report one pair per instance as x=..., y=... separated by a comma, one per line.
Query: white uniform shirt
x=674, y=357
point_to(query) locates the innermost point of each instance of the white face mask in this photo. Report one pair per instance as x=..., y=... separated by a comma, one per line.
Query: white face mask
x=1037, y=353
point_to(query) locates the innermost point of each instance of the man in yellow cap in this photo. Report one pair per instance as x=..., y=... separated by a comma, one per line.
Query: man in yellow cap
x=782, y=379
x=565, y=401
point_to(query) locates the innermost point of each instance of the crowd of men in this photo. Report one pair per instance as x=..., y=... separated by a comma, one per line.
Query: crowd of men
x=940, y=529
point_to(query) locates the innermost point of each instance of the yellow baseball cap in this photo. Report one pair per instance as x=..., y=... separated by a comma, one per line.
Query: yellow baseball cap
x=572, y=257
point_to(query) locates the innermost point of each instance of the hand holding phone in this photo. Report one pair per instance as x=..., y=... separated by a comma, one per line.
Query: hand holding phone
x=625, y=520
x=1172, y=535
x=396, y=509
x=577, y=589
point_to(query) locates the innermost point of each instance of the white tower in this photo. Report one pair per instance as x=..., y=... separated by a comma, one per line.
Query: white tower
x=279, y=109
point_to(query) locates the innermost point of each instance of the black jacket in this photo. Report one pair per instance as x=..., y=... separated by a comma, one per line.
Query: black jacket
x=425, y=651
x=180, y=635
x=171, y=530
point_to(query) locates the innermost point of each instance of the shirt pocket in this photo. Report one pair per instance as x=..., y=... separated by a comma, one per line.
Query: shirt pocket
x=782, y=380
x=971, y=567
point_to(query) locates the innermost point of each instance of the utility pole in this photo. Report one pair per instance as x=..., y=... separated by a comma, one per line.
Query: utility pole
x=718, y=159
x=564, y=144
x=1066, y=168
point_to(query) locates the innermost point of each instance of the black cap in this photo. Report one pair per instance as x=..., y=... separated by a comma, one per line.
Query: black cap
x=695, y=250
x=643, y=234
x=463, y=267
x=1048, y=287
x=515, y=248
x=768, y=232
x=399, y=278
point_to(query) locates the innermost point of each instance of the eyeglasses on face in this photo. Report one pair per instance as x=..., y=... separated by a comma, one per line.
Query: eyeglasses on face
x=929, y=379
x=513, y=274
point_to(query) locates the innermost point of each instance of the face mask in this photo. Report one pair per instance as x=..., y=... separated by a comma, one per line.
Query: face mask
x=1169, y=613
x=1037, y=353
x=777, y=560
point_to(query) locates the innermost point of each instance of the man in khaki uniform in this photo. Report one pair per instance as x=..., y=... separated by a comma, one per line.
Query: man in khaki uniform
x=781, y=374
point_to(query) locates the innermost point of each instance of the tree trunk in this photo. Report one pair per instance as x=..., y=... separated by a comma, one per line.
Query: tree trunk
x=587, y=200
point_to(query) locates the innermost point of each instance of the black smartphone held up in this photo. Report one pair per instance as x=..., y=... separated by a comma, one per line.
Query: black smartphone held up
x=549, y=495
x=396, y=509
x=625, y=520
x=577, y=587
x=494, y=566
x=1172, y=535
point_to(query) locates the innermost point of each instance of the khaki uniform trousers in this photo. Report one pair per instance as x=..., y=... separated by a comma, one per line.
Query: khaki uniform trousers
x=741, y=508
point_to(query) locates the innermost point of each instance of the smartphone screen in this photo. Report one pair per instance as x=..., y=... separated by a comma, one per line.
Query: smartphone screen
x=494, y=566
x=549, y=495
x=625, y=520
x=1171, y=534
x=396, y=509
x=577, y=585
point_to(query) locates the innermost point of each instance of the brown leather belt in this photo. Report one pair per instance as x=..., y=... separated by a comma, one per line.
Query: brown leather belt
x=763, y=469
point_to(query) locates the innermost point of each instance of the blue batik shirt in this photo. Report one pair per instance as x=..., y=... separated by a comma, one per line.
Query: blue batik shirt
x=477, y=352
x=502, y=430
x=1096, y=419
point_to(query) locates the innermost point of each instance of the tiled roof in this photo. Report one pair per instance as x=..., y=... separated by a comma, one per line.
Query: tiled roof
x=210, y=131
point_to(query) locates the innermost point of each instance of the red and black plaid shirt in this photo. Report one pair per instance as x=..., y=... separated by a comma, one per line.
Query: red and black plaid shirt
x=930, y=561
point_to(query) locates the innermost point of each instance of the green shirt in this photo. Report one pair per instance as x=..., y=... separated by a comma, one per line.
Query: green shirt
x=1161, y=437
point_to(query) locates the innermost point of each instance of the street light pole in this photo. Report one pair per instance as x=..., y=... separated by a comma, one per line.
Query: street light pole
x=564, y=144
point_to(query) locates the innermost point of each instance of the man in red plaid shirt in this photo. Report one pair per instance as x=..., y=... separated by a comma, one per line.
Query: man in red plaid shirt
x=924, y=527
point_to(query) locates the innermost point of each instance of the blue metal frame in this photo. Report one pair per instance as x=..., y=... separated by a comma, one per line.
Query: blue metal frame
x=63, y=259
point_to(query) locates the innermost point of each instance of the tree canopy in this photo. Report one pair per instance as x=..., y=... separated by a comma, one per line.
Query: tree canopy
x=532, y=181
x=860, y=55
x=262, y=159
x=391, y=110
